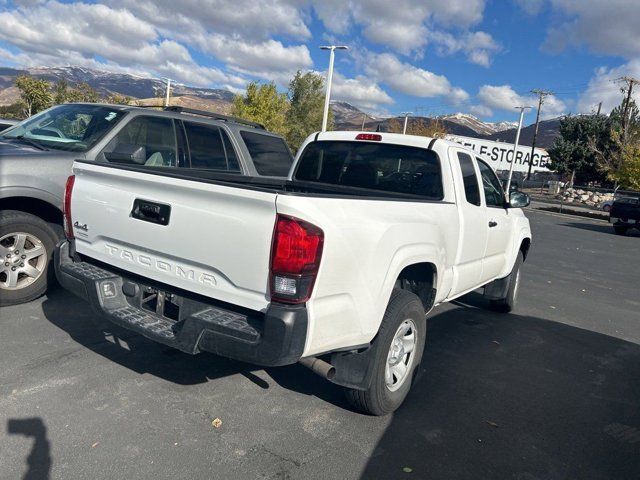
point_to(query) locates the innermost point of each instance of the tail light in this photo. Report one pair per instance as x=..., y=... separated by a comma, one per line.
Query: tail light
x=295, y=258
x=66, y=208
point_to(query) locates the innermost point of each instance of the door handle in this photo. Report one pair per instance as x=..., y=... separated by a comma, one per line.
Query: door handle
x=493, y=224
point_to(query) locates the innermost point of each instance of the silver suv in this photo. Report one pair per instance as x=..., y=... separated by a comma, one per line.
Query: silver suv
x=36, y=156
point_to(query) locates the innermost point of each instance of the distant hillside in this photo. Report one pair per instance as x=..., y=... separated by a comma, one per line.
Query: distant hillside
x=108, y=82
x=547, y=132
x=147, y=91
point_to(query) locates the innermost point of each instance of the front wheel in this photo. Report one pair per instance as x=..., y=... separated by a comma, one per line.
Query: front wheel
x=508, y=302
x=402, y=337
x=26, y=247
x=620, y=230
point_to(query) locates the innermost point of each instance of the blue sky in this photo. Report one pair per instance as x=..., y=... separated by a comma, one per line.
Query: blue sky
x=442, y=56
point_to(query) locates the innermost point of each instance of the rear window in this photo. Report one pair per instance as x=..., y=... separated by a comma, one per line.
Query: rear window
x=210, y=148
x=471, y=187
x=270, y=155
x=375, y=166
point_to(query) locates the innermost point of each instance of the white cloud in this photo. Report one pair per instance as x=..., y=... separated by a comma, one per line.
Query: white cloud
x=481, y=110
x=79, y=33
x=607, y=27
x=602, y=88
x=411, y=80
x=478, y=46
x=531, y=7
x=251, y=19
x=403, y=25
x=359, y=91
x=505, y=98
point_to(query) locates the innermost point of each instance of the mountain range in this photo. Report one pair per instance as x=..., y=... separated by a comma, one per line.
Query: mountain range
x=147, y=90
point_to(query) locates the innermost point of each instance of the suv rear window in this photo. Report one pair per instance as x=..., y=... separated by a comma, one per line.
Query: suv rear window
x=270, y=155
x=374, y=166
x=210, y=148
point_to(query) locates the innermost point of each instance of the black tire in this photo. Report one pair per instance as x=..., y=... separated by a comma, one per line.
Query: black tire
x=379, y=399
x=508, y=303
x=12, y=221
x=620, y=229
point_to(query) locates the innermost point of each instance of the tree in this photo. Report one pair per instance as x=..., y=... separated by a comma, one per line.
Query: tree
x=306, y=107
x=117, y=99
x=573, y=152
x=628, y=174
x=424, y=127
x=617, y=152
x=263, y=104
x=35, y=94
x=83, y=92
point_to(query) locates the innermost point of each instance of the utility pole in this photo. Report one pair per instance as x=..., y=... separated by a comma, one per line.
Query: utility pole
x=599, y=108
x=630, y=81
x=168, y=92
x=406, y=119
x=541, y=94
x=327, y=96
x=515, y=149
x=364, y=117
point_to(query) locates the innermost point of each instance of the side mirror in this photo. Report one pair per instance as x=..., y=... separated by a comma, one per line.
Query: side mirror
x=518, y=199
x=127, y=153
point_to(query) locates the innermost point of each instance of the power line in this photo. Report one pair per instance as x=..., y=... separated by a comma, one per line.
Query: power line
x=541, y=94
x=630, y=81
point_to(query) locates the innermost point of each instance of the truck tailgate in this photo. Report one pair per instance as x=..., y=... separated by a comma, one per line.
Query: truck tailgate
x=216, y=241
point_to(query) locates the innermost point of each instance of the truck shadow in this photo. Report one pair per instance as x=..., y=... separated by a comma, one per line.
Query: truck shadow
x=508, y=396
x=497, y=396
x=141, y=355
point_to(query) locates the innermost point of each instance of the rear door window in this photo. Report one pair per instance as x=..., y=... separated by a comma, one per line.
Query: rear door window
x=373, y=166
x=270, y=155
x=471, y=186
x=210, y=148
x=146, y=141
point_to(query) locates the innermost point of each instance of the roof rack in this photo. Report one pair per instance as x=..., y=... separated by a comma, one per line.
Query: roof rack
x=216, y=116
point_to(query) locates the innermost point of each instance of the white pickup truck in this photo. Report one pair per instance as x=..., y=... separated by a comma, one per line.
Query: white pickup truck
x=336, y=266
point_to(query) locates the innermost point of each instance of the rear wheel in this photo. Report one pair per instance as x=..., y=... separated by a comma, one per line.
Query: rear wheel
x=26, y=247
x=508, y=303
x=620, y=230
x=402, y=337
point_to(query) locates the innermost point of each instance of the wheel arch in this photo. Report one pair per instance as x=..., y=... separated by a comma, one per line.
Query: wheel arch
x=35, y=206
x=421, y=279
x=525, y=244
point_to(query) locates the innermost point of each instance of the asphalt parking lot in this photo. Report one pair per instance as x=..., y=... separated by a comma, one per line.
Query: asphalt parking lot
x=550, y=392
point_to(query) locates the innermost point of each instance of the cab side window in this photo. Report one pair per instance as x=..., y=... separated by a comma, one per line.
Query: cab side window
x=146, y=141
x=471, y=187
x=210, y=148
x=493, y=193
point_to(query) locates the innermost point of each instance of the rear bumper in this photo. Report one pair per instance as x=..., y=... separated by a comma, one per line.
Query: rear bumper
x=276, y=337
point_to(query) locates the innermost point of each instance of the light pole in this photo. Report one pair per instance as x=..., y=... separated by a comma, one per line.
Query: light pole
x=327, y=97
x=515, y=148
x=166, y=97
x=406, y=119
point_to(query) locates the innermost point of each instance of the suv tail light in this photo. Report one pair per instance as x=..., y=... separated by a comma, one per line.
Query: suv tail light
x=66, y=208
x=295, y=258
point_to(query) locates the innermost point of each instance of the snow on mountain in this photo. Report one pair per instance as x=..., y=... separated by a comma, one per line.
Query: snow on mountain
x=475, y=124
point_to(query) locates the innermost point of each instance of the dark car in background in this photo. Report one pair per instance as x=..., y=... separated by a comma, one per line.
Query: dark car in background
x=37, y=154
x=625, y=214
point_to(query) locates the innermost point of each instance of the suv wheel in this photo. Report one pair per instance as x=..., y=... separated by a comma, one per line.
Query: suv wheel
x=620, y=229
x=26, y=247
x=402, y=338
